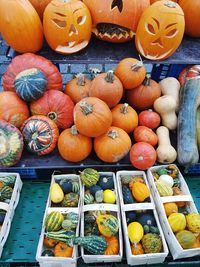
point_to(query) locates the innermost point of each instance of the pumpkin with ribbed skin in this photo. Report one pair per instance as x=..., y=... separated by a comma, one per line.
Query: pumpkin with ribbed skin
x=78, y=88
x=153, y=1
x=12, y=144
x=13, y=109
x=20, y=26
x=152, y=243
x=124, y=117
x=170, y=208
x=40, y=135
x=186, y=239
x=49, y=243
x=108, y=225
x=92, y=117
x=29, y=61
x=112, y=245
x=53, y=221
x=140, y=191
x=30, y=84
x=164, y=189
x=137, y=249
x=63, y=250
x=40, y=6
x=113, y=145
x=55, y=105
x=69, y=143
x=193, y=222
x=107, y=87
x=177, y=221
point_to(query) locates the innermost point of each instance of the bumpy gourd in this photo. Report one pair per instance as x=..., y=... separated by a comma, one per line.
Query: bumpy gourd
x=53, y=221
x=152, y=243
x=177, y=221
x=186, y=239
x=89, y=177
x=193, y=222
x=70, y=200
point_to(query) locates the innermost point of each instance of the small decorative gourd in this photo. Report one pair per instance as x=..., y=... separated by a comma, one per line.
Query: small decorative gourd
x=66, y=186
x=72, y=216
x=8, y=180
x=106, y=182
x=186, y=239
x=177, y=221
x=135, y=232
x=170, y=208
x=56, y=193
x=109, y=196
x=69, y=224
x=53, y=221
x=89, y=176
x=70, y=200
x=5, y=193
x=193, y=222
x=75, y=187
x=167, y=179
x=127, y=195
x=147, y=219
x=97, y=193
x=140, y=191
x=126, y=179
x=112, y=245
x=108, y=225
x=88, y=198
x=152, y=243
x=164, y=190
x=137, y=249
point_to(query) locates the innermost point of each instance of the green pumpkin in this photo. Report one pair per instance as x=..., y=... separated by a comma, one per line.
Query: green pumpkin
x=151, y=243
x=89, y=177
x=30, y=84
x=70, y=200
x=8, y=180
x=5, y=193
x=53, y=221
x=106, y=182
x=186, y=239
x=88, y=198
x=127, y=195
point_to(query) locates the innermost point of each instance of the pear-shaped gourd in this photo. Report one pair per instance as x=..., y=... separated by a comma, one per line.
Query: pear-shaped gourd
x=56, y=193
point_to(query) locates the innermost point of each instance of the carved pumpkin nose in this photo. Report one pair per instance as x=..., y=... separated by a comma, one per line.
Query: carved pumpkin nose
x=158, y=42
x=72, y=30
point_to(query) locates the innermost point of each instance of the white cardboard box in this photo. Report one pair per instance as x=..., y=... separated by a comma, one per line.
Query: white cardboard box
x=151, y=258
x=175, y=248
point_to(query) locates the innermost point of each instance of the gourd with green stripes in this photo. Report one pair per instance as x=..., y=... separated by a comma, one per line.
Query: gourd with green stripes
x=62, y=235
x=53, y=221
x=72, y=216
x=108, y=225
x=8, y=180
x=89, y=176
x=75, y=187
x=88, y=198
x=5, y=193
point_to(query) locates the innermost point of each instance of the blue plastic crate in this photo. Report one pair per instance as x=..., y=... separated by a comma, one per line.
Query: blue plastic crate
x=24, y=173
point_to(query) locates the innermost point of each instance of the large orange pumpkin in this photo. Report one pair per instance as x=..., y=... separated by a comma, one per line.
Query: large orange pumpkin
x=70, y=142
x=13, y=109
x=67, y=25
x=20, y=25
x=57, y=106
x=191, y=11
x=143, y=96
x=92, y=116
x=40, y=6
x=113, y=145
x=160, y=30
x=116, y=20
x=107, y=87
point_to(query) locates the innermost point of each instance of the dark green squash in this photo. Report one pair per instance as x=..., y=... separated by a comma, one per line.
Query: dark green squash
x=106, y=182
x=127, y=195
x=5, y=193
x=47, y=253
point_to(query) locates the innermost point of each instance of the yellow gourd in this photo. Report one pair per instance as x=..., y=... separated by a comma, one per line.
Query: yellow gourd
x=140, y=191
x=135, y=232
x=177, y=221
x=56, y=193
x=170, y=208
x=193, y=222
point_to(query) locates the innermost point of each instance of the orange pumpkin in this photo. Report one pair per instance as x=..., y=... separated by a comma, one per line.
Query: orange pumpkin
x=112, y=245
x=111, y=18
x=13, y=109
x=113, y=145
x=143, y=96
x=69, y=143
x=145, y=134
x=137, y=249
x=170, y=208
x=40, y=6
x=107, y=87
x=63, y=250
x=160, y=30
x=67, y=25
x=49, y=243
x=191, y=12
x=149, y=118
x=78, y=88
x=131, y=72
x=92, y=117
x=124, y=117
x=142, y=155
x=20, y=26
x=140, y=191
x=57, y=106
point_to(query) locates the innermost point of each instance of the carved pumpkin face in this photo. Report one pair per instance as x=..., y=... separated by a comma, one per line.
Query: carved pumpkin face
x=67, y=26
x=160, y=30
x=116, y=20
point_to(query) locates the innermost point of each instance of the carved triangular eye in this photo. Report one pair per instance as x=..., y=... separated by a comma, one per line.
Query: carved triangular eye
x=118, y=4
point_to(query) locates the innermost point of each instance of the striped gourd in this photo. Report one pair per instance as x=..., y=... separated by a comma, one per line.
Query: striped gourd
x=94, y=244
x=30, y=84
x=8, y=180
x=89, y=177
x=88, y=198
x=62, y=236
x=5, y=193
x=70, y=200
x=53, y=221
x=69, y=225
x=108, y=225
x=72, y=216
x=75, y=187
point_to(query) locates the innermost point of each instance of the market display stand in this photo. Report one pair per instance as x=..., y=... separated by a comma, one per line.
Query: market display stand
x=20, y=248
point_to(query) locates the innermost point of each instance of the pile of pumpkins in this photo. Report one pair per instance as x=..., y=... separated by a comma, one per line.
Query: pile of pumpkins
x=37, y=114
x=184, y=224
x=67, y=25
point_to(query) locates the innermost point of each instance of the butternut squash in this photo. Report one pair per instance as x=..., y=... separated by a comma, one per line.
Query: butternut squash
x=165, y=106
x=166, y=153
x=171, y=86
x=187, y=135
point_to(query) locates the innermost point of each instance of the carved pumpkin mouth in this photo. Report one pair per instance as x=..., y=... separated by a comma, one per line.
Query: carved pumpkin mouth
x=71, y=47
x=112, y=31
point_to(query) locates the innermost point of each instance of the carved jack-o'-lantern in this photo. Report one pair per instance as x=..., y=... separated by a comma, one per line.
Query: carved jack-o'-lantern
x=67, y=25
x=116, y=20
x=160, y=30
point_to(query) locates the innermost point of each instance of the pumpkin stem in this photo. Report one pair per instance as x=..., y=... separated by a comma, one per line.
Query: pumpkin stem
x=140, y=158
x=52, y=115
x=124, y=108
x=80, y=79
x=110, y=76
x=147, y=80
x=113, y=134
x=74, y=130
x=137, y=66
x=86, y=108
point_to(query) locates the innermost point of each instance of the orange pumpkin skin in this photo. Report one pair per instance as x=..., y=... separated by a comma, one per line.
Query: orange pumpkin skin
x=67, y=26
x=55, y=105
x=78, y=88
x=63, y=250
x=137, y=249
x=69, y=143
x=13, y=109
x=20, y=26
x=143, y=96
x=160, y=30
x=191, y=11
x=149, y=118
x=49, y=243
x=197, y=242
x=131, y=72
x=142, y=155
x=112, y=245
x=113, y=145
x=124, y=117
x=92, y=117
x=153, y=1
x=116, y=13
x=40, y=6
x=145, y=134
x=107, y=87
